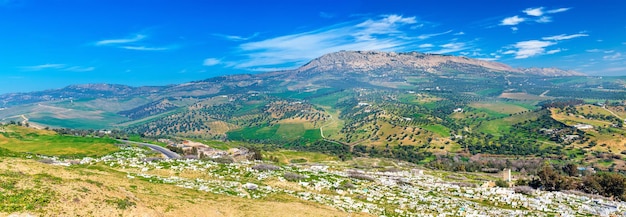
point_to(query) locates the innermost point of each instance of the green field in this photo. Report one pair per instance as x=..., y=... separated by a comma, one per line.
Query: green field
x=501, y=125
x=79, y=123
x=438, y=129
x=502, y=107
x=21, y=139
x=278, y=132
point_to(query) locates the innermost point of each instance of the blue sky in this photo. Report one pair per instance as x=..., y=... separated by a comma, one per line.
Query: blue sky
x=54, y=43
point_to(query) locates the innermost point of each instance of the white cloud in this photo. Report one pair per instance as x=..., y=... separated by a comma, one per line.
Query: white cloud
x=427, y=36
x=43, y=67
x=526, y=49
x=600, y=51
x=564, y=37
x=238, y=38
x=616, y=56
x=459, y=33
x=211, y=62
x=509, y=52
x=144, y=48
x=136, y=38
x=79, y=69
x=512, y=21
x=514, y=29
x=554, y=51
x=133, y=43
x=544, y=19
x=426, y=45
x=451, y=47
x=536, y=12
x=58, y=67
x=387, y=25
x=387, y=33
x=531, y=48
x=558, y=10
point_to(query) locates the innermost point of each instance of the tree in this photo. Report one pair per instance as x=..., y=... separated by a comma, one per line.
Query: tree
x=551, y=180
x=570, y=169
x=501, y=183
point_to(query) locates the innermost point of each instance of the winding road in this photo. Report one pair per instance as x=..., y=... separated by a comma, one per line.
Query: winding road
x=169, y=154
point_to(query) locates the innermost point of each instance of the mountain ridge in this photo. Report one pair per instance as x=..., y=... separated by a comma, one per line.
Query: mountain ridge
x=336, y=66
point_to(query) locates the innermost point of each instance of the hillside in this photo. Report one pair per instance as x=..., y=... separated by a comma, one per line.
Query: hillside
x=408, y=106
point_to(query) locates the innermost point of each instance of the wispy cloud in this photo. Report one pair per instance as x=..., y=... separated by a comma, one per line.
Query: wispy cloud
x=554, y=51
x=385, y=33
x=144, y=48
x=451, y=47
x=600, y=51
x=512, y=21
x=211, y=62
x=564, y=37
x=132, y=43
x=237, y=37
x=426, y=45
x=558, y=10
x=613, y=57
x=57, y=67
x=79, y=69
x=536, y=12
x=530, y=48
x=42, y=67
x=427, y=36
x=544, y=19
x=136, y=38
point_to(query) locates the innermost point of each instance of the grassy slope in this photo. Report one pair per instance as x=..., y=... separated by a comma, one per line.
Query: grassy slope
x=100, y=191
x=21, y=139
x=502, y=125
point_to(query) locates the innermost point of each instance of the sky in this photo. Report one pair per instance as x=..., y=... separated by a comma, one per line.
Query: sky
x=48, y=44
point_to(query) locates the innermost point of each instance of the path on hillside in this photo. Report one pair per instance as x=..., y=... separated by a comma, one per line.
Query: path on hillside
x=169, y=154
x=25, y=119
x=321, y=128
x=544, y=93
x=608, y=110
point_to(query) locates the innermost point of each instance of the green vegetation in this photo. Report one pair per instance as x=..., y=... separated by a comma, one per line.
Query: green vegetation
x=21, y=139
x=16, y=197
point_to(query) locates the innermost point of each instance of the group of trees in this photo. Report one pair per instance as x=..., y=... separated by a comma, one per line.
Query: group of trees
x=567, y=177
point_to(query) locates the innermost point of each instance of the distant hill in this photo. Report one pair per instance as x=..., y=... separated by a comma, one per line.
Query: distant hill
x=354, y=66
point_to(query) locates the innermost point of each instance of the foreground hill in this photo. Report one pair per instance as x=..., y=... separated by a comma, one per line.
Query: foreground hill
x=134, y=182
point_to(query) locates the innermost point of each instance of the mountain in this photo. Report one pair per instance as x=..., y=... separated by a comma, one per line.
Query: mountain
x=550, y=72
x=110, y=105
x=362, y=66
x=371, y=61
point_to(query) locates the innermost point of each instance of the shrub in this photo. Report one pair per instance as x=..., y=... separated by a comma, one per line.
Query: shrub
x=527, y=190
x=361, y=176
x=293, y=176
x=265, y=167
x=501, y=183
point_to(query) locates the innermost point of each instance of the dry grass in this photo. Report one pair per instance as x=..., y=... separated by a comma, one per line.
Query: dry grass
x=88, y=192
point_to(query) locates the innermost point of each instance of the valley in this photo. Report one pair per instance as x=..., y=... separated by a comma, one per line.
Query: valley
x=361, y=132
